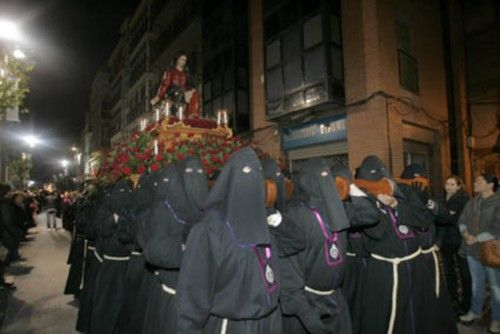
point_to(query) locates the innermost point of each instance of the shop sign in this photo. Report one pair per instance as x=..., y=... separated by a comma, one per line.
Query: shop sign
x=314, y=132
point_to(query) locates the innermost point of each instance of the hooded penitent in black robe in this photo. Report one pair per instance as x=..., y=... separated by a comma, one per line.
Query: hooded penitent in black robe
x=440, y=308
x=361, y=212
x=228, y=282
x=273, y=172
x=114, y=237
x=394, y=296
x=92, y=258
x=311, y=299
x=138, y=277
x=76, y=257
x=179, y=199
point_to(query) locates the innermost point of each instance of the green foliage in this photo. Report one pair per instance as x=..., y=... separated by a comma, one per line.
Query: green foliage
x=19, y=170
x=14, y=75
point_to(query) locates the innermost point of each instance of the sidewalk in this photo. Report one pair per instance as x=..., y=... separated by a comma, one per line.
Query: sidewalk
x=38, y=305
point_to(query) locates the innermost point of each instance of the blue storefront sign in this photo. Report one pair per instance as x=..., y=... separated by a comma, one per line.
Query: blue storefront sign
x=314, y=132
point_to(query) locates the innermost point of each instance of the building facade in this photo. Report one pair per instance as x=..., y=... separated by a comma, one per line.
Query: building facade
x=346, y=79
x=340, y=79
x=482, y=36
x=149, y=40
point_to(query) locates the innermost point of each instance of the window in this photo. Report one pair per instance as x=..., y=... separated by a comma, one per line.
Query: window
x=314, y=63
x=207, y=91
x=273, y=51
x=304, y=63
x=291, y=46
x=312, y=32
x=228, y=79
x=335, y=29
x=408, y=72
x=337, y=63
x=225, y=59
x=407, y=63
x=229, y=100
x=403, y=37
x=274, y=84
x=293, y=75
x=242, y=102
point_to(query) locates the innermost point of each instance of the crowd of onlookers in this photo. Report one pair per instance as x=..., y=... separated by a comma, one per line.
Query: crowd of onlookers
x=18, y=209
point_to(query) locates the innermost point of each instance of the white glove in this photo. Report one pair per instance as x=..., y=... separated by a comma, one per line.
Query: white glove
x=431, y=205
x=354, y=191
x=116, y=217
x=275, y=219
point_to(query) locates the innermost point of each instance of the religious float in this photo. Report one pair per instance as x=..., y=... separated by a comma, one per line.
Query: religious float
x=174, y=130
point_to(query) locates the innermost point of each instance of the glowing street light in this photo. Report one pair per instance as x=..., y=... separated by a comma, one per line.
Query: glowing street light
x=9, y=31
x=31, y=140
x=64, y=163
x=74, y=149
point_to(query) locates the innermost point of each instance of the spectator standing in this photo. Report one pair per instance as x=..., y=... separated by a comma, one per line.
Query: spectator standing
x=50, y=210
x=447, y=209
x=480, y=222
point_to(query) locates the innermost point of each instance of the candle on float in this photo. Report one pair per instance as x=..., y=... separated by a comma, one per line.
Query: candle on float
x=180, y=112
x=143, y=124
x=225, y=117
x=157, y=114
x=156, y=146
x=166, y=109
x=219, y=117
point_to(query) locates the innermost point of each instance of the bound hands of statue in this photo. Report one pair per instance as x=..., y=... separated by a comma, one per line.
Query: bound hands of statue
x=388, y=200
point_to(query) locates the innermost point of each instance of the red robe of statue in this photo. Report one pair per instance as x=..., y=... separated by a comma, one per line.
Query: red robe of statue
x=174, y=77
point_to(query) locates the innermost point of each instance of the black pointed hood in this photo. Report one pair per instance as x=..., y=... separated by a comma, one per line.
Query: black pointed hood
x=316, y=182
x=121, y=197
x=195, y=182
x=239, y=195
x=372, y=169
x=170, y=190
x=273, y=172
x=147, y=187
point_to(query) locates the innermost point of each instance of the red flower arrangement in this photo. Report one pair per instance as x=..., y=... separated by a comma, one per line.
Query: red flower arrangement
x=135, y=154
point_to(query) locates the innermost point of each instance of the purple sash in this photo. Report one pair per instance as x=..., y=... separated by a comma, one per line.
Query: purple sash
x=333, y=256
x=397, y=228
x=266, y=272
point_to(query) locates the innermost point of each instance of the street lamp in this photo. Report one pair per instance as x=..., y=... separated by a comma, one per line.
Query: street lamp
x=31, y=140
x=9, y=31
x=64, y=163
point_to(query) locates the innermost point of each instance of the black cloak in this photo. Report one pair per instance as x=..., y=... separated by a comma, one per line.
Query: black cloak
x=138, y=278
x=177, y=207
x=392, y=239
x=311, y=300
x=113, y=245
x=228, y=277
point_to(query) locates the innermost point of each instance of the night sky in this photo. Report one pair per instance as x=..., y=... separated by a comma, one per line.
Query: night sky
x=68, y=41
